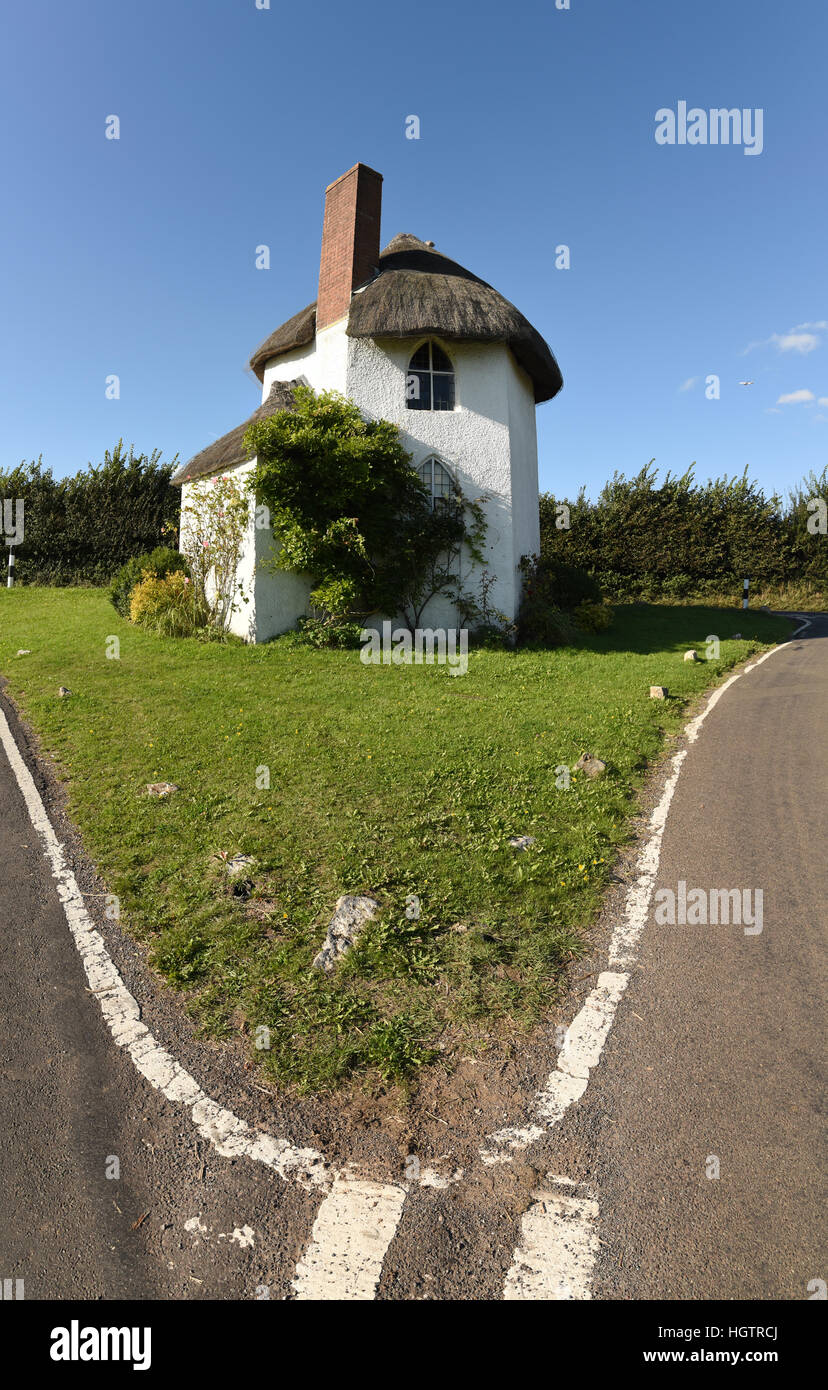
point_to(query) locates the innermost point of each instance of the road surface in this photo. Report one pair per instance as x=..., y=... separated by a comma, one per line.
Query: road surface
x=691, y=1161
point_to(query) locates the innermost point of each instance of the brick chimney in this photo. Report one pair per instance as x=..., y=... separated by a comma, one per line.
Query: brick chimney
x=350, y=240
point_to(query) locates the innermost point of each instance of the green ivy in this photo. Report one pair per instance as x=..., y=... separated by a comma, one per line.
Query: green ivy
x=347, y=508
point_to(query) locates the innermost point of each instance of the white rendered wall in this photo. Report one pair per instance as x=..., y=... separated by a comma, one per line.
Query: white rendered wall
x=243, y=620
x=323, y=364
x=523, y=452
x=488, y=442
x=281, y=598
x=275, y=600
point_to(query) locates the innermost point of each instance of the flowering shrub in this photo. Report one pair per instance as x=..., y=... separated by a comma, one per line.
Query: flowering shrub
x=160, y=562
x=171, y=606
x=213, y=529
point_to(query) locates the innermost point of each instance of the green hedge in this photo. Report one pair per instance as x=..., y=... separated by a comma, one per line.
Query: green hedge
x=81, y=530
x=677, y=538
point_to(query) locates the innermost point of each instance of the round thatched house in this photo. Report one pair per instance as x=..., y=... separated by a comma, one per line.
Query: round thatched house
x=410, y=336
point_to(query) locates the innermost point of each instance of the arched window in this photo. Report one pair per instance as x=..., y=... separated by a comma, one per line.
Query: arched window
x=439, y=483
x=429, y=384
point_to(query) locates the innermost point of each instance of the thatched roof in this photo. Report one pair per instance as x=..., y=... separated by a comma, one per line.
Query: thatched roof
x=229, y=450
x=297, y=332
x=418, y=291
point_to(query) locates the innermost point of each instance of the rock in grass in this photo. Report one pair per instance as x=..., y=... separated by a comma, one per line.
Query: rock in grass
x=521, y=842
x=593, y=767
x=692, y=655
x=350, y=915
x=239, y=863
x=24, y=651
x=658, y=692
x=161, y=788
x=63, y=691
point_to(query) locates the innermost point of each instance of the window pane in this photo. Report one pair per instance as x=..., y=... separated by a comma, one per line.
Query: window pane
x=442, y=481
x=420, y=359
x=424, y=471
x=443, y=392
x=418, y=391
x=439, y=361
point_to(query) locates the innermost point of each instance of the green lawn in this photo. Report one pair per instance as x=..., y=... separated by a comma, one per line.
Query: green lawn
x=384, y=780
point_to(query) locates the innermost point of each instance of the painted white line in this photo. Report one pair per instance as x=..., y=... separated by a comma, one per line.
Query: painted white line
x=353, y=1229
x=230, y=1136
x=587, y=1033
x=357, y=1220
x=589, y=1030
x=557, y=1252
x=243, y=1236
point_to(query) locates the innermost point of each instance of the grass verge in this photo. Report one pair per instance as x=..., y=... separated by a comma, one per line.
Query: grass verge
x=402, y=782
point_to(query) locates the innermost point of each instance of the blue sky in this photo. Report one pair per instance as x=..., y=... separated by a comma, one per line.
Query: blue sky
x=137, y=256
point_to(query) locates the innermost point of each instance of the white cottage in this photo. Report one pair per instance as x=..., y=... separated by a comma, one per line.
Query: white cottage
x=411, y=337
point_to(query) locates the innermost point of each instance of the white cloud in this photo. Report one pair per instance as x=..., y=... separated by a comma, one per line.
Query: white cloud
x=803, y=338
x=797, y=398
x=796, y=342
x=823, y=400
x=771, y=410
x=689, y=383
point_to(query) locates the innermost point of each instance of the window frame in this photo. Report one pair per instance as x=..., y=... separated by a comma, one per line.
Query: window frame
x=431, y=372
x=434, y=498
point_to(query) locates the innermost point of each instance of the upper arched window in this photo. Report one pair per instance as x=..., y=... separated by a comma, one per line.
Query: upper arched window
x=429, y=384
x=439, y=483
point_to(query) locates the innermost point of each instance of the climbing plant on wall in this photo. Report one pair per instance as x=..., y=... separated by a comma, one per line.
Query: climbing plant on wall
x=347, y=508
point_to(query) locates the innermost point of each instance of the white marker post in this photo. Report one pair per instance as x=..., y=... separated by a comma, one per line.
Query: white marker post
x=745, y=594
x=10, y=580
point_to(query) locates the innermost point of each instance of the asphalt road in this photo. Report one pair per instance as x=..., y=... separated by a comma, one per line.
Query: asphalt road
x=719, y=1049
x=716, y=1053
x=71, y=1102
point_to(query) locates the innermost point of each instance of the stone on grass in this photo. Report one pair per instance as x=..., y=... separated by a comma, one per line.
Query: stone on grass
x=658, y=692
x=692, y=655
x=24, y=651
x=350, y=915
x=593, y=767
x=161, y=788
x=62, y=690
x=522, y=842
x=239, y=863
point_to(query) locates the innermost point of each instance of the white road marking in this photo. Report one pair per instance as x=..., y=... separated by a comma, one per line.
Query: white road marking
x=589, y=1030
x=429, y=1177
x=555, y=1258
x=357, y=1220
x=587, y=1033
x=229, y=1135
x=353, y=1229
x=244, y=1236
x=559, y=1241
